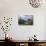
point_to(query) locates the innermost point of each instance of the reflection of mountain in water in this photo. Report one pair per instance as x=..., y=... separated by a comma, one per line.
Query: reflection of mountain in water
x=25, y=22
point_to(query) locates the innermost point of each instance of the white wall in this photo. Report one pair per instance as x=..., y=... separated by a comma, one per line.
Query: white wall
x=15, y=8
x=45, y=28
x=24, y=32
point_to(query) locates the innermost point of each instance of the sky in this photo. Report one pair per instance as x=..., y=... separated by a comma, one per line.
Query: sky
x=26, y=17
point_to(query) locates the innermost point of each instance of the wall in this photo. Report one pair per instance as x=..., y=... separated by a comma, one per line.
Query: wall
x=15, y=8
x=45, y=28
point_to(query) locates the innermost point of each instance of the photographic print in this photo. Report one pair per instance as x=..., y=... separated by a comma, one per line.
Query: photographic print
x=25, y=20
